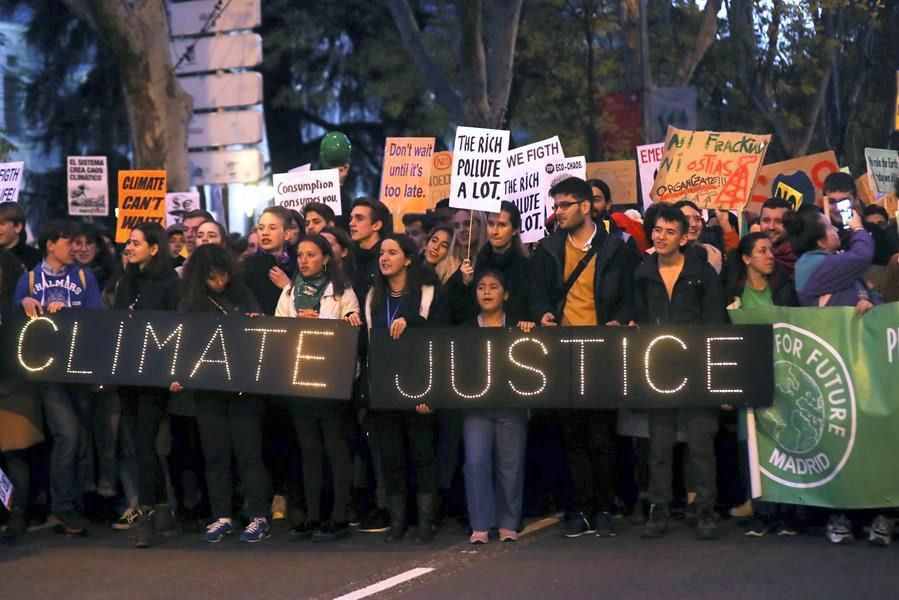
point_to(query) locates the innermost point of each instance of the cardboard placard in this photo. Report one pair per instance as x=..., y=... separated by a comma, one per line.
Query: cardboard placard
x=11, y=175
x=648, y=158
x=521, y=185
x=620, y=176
x=477, y=182
x=141, y=199
x=405, y=176
x=798, y=180
x=296, y=190
x=440, y=178
x=87, y=183
x=883, y=165
x=714, y=169
x=557, y=170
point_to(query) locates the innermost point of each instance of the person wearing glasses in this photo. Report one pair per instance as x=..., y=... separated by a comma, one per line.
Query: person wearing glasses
x=583, y=276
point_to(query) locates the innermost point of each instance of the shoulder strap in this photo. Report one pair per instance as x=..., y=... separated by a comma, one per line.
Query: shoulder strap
x=30, y=283
x=581, y=265
x=83, y=279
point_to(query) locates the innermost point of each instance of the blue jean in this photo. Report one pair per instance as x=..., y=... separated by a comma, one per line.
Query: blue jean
x=67, y=409
x=495, y=442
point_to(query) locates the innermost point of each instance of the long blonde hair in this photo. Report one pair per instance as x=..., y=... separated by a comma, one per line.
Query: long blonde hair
x=459, y=251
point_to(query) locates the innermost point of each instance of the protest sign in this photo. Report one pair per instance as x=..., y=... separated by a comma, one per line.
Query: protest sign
x=648, y=158
x=301, y=168
x=521, y=184
x=312, y=358
x=620, y=176
x=11, y=174
x=897, y=101
x=141, y=199
x=645, y=367
x=439, y=180
x=405, y=177
x=555, y=171
x=883, y=165
x=798, y=180
x=296, y=190
x=177, y=204
x=6, y=490
x=88, y=186
x=477, y=176
x=714, y=169
x=829, y=438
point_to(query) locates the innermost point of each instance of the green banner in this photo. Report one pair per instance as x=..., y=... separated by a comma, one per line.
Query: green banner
x=831, y=437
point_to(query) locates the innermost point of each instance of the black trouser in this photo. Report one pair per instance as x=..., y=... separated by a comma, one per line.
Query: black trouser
x=318, y=432
x=142, y=412
x=395, y=427
x=590, y=449
x=19, y=473
x=702, y=425
x=233, y=423
x=186, y=462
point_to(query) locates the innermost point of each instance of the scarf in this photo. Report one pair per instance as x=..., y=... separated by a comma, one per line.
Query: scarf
x=281, y=259
x=307, y=293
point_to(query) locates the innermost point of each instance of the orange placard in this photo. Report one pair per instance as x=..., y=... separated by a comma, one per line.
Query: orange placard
x=405, y=177
x=141, y=199
x=441, y=174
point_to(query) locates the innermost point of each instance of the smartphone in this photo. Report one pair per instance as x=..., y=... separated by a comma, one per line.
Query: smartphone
x=845, y=208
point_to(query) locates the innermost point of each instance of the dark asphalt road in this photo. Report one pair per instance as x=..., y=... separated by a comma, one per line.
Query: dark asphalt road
x=540, y=565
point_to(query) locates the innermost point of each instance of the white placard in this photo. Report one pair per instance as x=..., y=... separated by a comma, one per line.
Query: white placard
x=225, y=128
x=557, y=170
x=648, y=158
x=477, y=175
x=87, y=184
x=225, y=90
x=179, y=203
x=296, y=190
x=301, y=168
x=521, y=184
x=6, y=490
x=218, y=52
x=226, y=166
x=190, y=18
x=11, y=174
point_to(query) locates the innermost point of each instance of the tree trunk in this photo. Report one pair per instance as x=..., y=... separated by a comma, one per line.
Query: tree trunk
x=705, y=37
x=158, y=109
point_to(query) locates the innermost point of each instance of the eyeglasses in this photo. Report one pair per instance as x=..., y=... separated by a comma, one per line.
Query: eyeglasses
x=563, y=206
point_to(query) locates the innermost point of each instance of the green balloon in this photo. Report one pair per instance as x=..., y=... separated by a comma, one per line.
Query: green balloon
x=335, y=150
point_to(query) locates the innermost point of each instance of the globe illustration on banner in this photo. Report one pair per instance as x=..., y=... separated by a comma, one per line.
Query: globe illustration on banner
x=796, y=419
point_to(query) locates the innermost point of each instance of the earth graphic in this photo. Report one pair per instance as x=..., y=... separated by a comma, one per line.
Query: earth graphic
x=796, y=420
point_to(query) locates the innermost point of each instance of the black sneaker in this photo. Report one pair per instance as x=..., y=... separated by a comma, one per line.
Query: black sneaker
x=17, y=524
x=164, y=524
x=706, y=524
x=881, y=533
x=376, y=521
x=142, y=527
x=331, y=532
x=758, y=528
x=354, y=515
x=656, y=522
x=304, y=530
x=71, y=523
x=577, y=525
x=604, y=524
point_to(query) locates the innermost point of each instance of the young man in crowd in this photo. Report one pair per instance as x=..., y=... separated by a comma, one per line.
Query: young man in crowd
x=175, y=234
x=191, y=222
x=840, y=186
x=771, y=223
x=417, y=227
x=12, y=234
x=370, y=221
x=677, y=285
x=58, y=282
x=317, y=217
x=583, y=276
x=273, y=266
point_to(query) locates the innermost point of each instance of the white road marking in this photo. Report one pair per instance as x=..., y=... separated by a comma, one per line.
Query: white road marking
x=394, y=581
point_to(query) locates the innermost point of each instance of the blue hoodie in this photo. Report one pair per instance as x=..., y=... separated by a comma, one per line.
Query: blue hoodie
x=73, y=285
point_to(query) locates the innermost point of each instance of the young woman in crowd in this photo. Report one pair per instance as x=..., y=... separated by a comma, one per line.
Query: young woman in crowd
x=469, y=237
x=495, y=439
x=827, y=277
x=228, y=422
x=92, y=252
x=320, y=290
x=341, y=249
x=756, y=282
x=402, y=297
x=21, y=420
x=149, y=283
x=212, y=232
x=436, y=248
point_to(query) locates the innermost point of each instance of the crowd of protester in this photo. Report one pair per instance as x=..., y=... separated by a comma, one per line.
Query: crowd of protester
x=154, y=462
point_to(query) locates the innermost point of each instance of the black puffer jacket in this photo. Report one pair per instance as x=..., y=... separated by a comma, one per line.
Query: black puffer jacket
x=255, y=275
x=513, y=265
x=697, y=296
x=147, y=290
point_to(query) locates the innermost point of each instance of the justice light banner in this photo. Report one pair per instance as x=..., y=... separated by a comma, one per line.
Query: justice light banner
x=573, y=367
x=310, y=358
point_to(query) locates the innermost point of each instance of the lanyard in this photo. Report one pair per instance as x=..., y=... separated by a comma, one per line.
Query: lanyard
x=392, y=317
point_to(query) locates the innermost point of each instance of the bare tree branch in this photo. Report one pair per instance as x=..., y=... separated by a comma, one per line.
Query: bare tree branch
x=705, y=37
x=410, y=34
x=504, y=17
